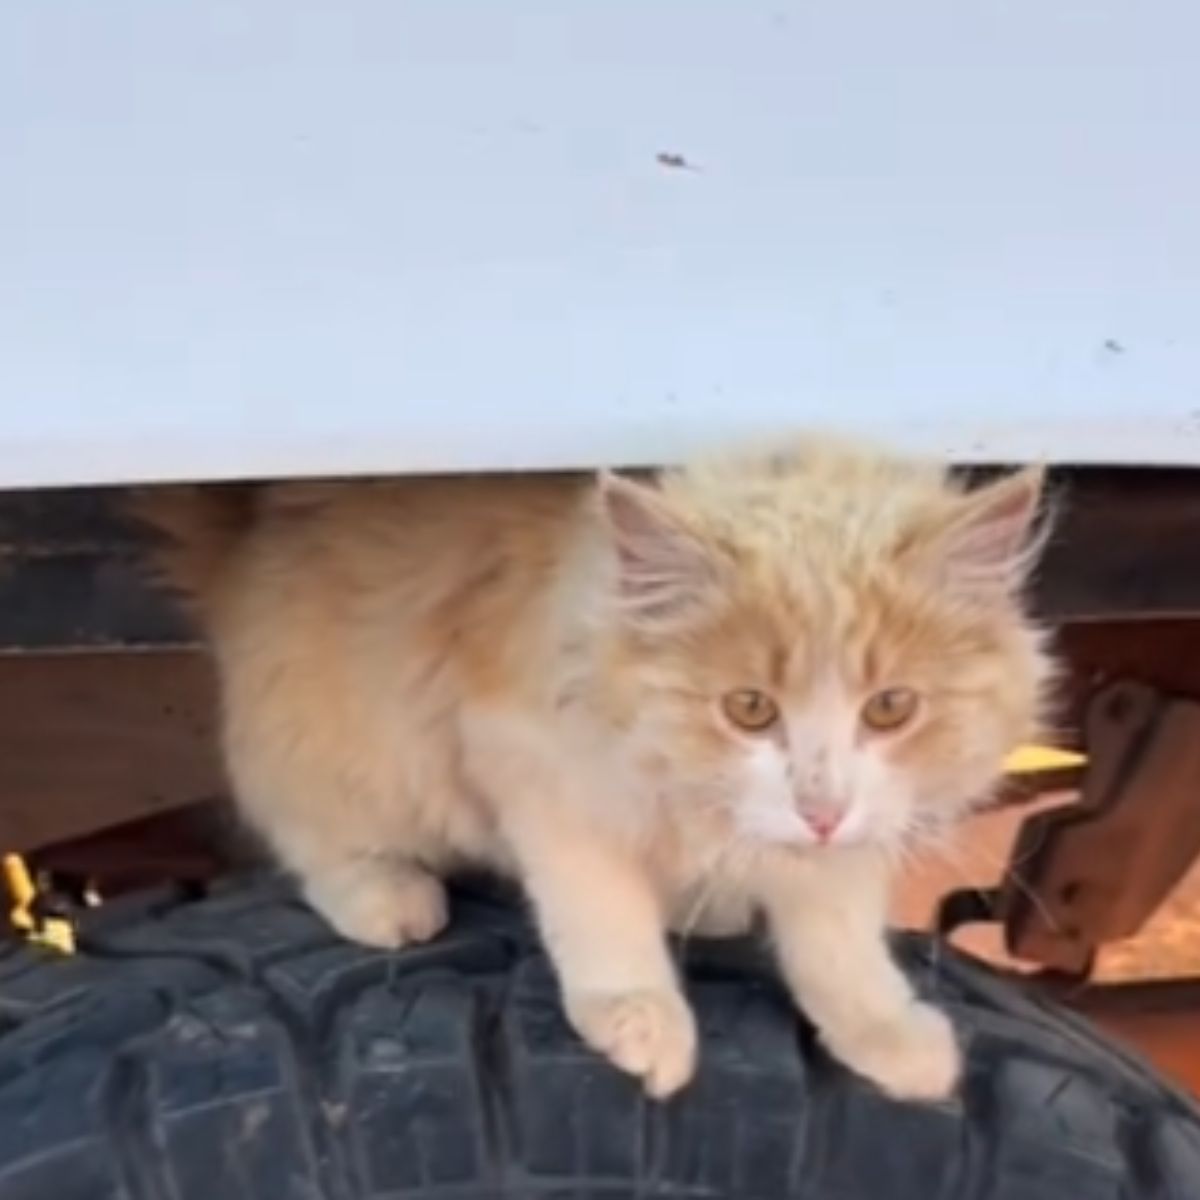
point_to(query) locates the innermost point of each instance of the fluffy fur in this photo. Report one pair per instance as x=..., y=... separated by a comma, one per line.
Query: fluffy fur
x=531, y=674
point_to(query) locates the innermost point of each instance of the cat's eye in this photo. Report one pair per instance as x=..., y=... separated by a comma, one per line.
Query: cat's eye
x=750, y=709
x=890, y=709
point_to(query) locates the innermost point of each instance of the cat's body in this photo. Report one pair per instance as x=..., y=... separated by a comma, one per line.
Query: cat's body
x=647, y=703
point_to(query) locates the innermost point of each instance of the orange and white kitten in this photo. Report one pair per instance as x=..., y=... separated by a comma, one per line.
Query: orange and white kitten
x=740, y=689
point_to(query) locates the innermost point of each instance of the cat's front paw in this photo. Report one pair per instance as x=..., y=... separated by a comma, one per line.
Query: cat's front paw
x=650, y=1034
x=915, y=1057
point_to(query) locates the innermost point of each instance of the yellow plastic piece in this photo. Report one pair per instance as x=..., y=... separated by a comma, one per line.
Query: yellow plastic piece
x=54, y=932
x=1032, y=760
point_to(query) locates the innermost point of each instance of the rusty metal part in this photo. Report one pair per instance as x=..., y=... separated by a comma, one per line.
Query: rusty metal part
x=1094, y=872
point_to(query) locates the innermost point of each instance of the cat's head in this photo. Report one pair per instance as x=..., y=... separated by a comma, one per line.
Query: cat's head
x=825, y=647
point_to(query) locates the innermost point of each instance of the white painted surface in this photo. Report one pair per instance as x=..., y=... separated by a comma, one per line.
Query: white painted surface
x=289, y=236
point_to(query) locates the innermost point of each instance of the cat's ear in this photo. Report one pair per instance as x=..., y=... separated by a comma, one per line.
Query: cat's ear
x=662, y=567
x=993, y=537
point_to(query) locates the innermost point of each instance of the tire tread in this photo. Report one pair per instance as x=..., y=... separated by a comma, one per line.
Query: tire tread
x=232, y=1046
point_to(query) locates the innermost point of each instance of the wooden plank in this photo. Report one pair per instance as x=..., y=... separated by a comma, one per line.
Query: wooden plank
x=90, y=740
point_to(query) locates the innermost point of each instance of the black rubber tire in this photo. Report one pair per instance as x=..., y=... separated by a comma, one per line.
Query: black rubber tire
x=232, y=1048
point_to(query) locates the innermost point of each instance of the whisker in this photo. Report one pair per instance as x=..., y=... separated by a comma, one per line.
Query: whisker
x=1007, y=870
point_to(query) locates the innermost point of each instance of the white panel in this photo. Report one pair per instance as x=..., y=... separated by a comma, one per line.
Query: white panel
x=291, y=236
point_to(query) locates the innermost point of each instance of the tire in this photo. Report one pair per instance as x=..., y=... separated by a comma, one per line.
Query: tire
x=233, y=1048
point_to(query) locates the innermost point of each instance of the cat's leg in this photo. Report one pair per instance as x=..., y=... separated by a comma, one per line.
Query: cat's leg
x=368, y=896
x=354, y=854
x=603, y=928
x=378, y=901
x=599, y=914
x=828, y=921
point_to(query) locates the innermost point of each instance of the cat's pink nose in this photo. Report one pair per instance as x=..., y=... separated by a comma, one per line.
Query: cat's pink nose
x=823, y=822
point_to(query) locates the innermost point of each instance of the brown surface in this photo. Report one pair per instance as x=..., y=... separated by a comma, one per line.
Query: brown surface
x=1165, y=1031
x=1168, y=1039
x=1160, y=1020
x=1167, y=947
x=88, y=740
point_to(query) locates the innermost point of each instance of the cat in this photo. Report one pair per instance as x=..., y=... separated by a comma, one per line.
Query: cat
x=731, y=692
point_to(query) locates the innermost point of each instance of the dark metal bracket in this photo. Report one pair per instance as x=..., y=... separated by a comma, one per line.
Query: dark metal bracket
x=1094, y=872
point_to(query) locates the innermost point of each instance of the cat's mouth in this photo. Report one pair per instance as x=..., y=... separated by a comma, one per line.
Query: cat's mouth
x=797, y=829
x=789, y=827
